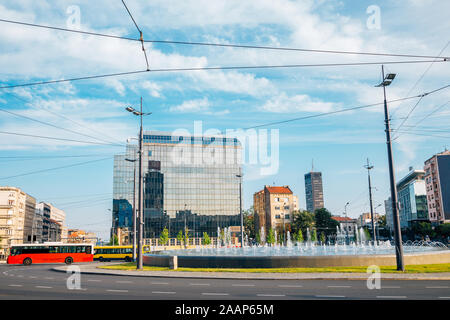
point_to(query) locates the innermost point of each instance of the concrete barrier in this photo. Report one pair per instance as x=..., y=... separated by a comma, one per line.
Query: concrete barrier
x=292, y=261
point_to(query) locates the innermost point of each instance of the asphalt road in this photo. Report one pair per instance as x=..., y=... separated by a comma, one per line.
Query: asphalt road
x=41, y=282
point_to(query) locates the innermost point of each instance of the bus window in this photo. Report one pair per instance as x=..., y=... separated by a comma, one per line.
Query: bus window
x=88, y=250
x=16, y=251
x=52, y=249
x=80, y=249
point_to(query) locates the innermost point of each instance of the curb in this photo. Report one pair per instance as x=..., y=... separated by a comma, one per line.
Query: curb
x=256, y=276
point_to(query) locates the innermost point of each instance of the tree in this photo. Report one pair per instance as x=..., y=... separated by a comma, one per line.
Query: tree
x=367, y=233
x=206, y=239
x=324, y=222
x=302, y=220
x=186, y=237
x=258, y=238
x=314, y=235
x=180, y=237
x=270, y=237
x=299, y=236
x=422, y=229
x=322, y=238
x=114, y=241
x=443, y=230
x=164, y=237
x=249, y=222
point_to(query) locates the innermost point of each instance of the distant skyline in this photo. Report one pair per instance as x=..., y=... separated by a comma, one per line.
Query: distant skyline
x=93, y=110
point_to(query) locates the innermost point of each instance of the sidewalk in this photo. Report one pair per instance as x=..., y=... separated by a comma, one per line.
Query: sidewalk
x=87, y=269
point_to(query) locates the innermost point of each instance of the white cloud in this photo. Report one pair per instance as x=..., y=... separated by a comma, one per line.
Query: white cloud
x=153, y=88
x=297, y=103
x=197, y=105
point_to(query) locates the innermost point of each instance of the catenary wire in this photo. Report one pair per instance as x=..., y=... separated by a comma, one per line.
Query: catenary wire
x=221, y=44
x=214, y=68
x=53, y=169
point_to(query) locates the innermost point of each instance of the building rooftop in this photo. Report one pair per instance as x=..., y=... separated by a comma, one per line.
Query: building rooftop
x=342, y=219
x=283, y=189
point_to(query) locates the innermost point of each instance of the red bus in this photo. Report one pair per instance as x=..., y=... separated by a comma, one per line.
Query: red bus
x=51, y=253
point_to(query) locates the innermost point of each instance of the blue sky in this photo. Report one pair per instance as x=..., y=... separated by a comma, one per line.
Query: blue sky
x=339, y=144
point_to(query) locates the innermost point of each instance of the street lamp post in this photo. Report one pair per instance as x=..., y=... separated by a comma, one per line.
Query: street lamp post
x=346, y=226
x=140, y=264
x=369, y=167
x=397, y=231
x=240, y=209
x=134, y=207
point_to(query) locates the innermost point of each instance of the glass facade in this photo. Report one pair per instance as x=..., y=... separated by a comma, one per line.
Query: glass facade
x=188, y=181
x=313, y=191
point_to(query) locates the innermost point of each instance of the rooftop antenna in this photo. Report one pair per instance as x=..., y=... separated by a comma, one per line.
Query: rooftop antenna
x=312, y=165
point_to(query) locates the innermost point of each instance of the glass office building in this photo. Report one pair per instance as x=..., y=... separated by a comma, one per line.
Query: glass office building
x=189, y=181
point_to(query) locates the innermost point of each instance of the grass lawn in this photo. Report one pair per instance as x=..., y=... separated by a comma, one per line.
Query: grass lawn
x=426, y=268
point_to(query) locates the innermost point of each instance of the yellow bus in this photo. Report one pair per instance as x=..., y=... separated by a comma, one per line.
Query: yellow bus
x=108, y=253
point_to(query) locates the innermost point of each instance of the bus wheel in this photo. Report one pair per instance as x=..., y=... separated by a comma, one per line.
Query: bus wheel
x=68, y=260
x=27, y=261
x=127, y=259
x=101, y=259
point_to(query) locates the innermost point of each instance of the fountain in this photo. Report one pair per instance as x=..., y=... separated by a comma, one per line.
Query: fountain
x=359, y=252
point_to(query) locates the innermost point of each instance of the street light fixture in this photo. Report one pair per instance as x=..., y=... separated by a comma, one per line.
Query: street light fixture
x=140, y=264
x=397, y=231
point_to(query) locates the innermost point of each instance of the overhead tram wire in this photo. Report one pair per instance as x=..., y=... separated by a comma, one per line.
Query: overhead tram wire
x=54, y=169
x=344, y=110
x=141, y=37
x=32, y=158
x=217, y=68
x=60, y=139
x=52, y=125
x=68, y=119
x=421, y=77
x=221, y=44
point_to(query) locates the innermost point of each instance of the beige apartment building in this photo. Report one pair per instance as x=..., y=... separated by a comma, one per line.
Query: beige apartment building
x=16, y=217
x=437, y=182
x=273, y=207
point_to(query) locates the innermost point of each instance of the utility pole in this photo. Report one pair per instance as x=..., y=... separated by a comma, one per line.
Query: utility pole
x=141, y=217
x=134, y=207
x=397, y=231
x=369, y=167
x=240, y=209
x=141, y=195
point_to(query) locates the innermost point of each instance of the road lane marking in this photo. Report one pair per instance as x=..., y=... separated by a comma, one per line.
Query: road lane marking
x=43, y=287
x=390, y=287
x=163, y=292
x=243, y=285
x=94, y=280
x=49, y=278
x=438, y=287
x=124, y=281
x=444, y=297
x=339, y=286
x=214, y=294
x=290, y=286
x=15, y=285
x=199, y=284
x=32, y=277
x=270, y=295
x=160, y=283
x=114, y=290
x=328, y=296
x=391, y=297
